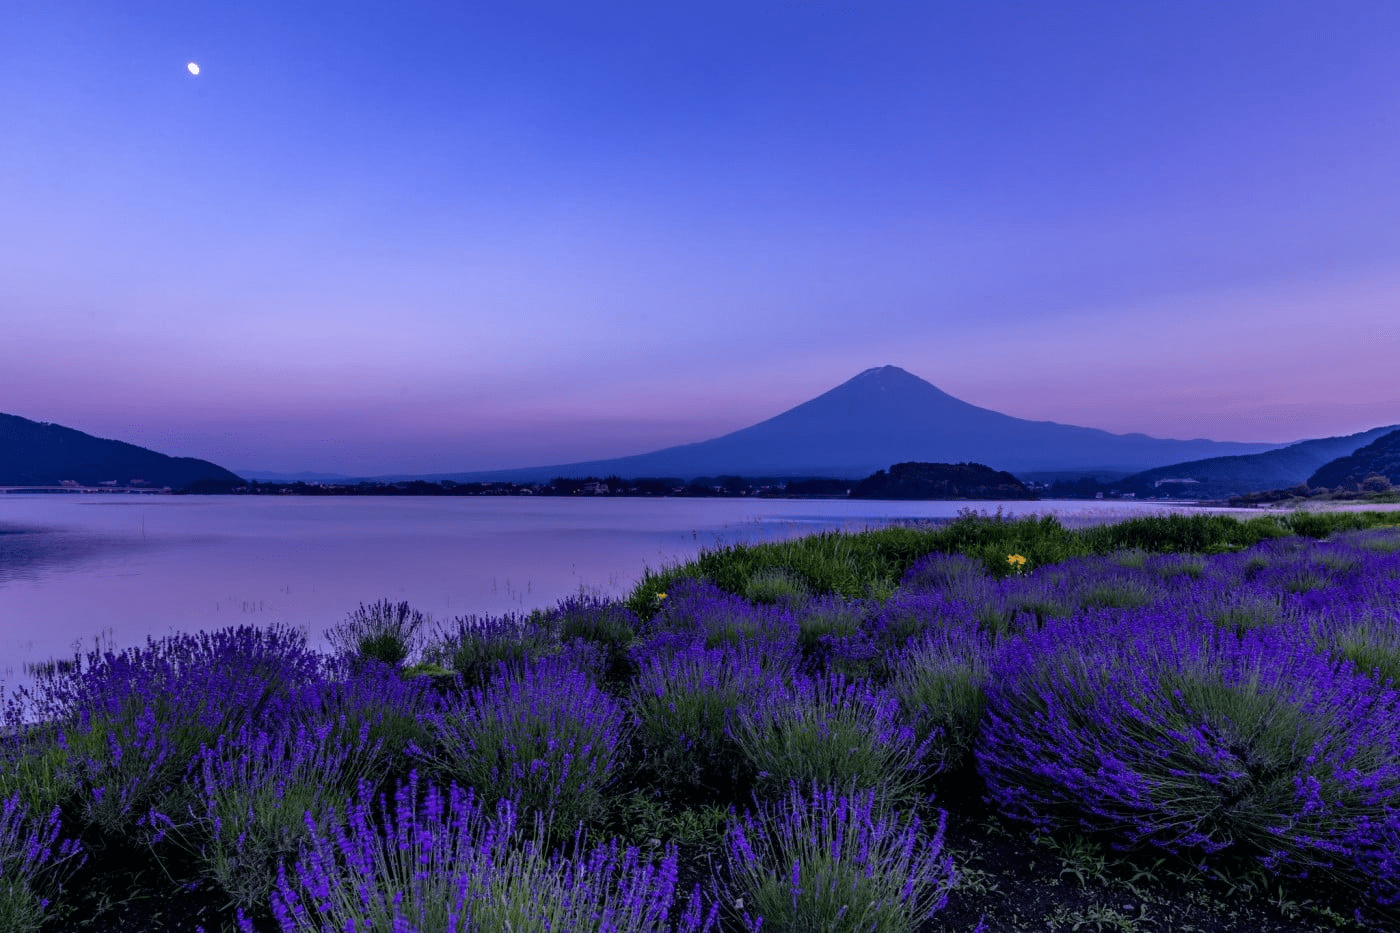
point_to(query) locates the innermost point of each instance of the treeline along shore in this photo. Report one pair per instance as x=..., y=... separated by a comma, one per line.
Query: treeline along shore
x=901, y=481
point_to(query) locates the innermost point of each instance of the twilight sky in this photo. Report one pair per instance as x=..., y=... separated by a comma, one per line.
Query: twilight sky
x=406, y=236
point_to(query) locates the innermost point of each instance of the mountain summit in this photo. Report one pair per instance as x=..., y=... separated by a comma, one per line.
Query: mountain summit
x=884, y=416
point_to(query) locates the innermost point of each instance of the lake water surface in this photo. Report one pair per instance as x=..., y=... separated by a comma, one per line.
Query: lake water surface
x=73, y=567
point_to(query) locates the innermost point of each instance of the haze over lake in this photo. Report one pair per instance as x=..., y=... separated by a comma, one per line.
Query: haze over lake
x=148, y=565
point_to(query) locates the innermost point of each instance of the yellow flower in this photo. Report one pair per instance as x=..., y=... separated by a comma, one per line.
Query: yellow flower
x=660, y=595
x=1016, y=560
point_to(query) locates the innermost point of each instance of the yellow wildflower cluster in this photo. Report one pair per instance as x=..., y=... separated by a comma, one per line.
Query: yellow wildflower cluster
x=1017, y=562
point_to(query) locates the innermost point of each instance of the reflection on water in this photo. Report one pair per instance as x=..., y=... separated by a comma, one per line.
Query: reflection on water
x=26, y=552
x=73, y=567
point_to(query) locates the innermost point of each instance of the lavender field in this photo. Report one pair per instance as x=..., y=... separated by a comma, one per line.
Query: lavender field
x=1146, y=738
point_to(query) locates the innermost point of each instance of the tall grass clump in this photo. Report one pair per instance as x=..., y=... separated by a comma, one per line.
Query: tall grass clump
x=1200, y=742
x=34, y=863
x=775, y=585
x=835, y=861
x=831, y=730
x=546, y=736
x=433, y=861
x=385, y=631
x=871, y=563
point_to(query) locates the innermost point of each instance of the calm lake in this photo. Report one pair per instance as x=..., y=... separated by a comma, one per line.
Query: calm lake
x=73, y=567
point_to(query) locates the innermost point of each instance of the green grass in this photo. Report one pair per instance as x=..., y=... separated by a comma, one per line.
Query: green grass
x=871, y=563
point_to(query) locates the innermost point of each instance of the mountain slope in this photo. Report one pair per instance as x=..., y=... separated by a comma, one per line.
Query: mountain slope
x=34, y=453
x=1381, y=456
x=885, y=416
x=1218, y=477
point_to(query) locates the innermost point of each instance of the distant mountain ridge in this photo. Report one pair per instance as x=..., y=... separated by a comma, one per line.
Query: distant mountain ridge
x=34, y=453
x=882, y=416
x=1220, y=477
x=1380, y=457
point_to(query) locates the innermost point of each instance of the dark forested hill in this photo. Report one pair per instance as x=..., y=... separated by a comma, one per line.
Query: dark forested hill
x=39, y=454
x=1381, y=457
x=940, y=481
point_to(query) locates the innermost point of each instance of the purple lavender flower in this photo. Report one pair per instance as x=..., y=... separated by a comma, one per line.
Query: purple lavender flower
x=548, y=736
x=1183, y=736
x=833, y=731
x=835, y=861
x=130, y=722
x=683, y=703
x=34, y=863
x=431, y=861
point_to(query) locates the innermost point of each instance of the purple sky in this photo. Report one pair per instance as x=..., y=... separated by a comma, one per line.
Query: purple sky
x=379, y=237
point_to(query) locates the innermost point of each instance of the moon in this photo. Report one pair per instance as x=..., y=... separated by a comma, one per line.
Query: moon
x=192, y=68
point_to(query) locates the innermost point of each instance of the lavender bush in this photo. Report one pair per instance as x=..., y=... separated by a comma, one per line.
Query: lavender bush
x=608, y=624
x=940, y=682
x=259, y=791
x=547, y=736
x=33, y=865
x=826, y=621
x=385, y=632
x=451, y=864
x=837, y=862
x=131, y=722
x=723, y=618
x=683, y=703
x=1195, y=740
x=475, y=646
x=832, y=731
x=376, y=707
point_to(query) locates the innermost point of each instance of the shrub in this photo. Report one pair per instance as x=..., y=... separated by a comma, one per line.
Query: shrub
x=832, y=731
x=684, y=702
x=475, y=646
x=384, y=631
x=130, y=723
x=546, y=736
x=447, y=863
x=258, y=793
x=835, y=862
x=940, y=682
x=33, y=865
x=1196, y=740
